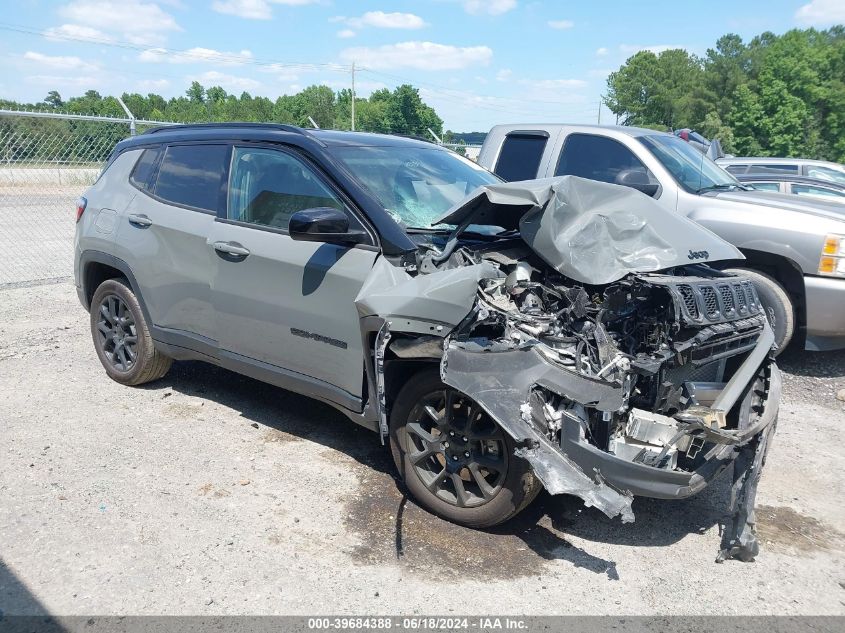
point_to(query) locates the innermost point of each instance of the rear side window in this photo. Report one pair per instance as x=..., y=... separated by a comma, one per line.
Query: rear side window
x=142, y=174
x=596, y=158
x=520, y=156
x=772, y=168
x=766, y=186
x=192, y=175
x=736, y=169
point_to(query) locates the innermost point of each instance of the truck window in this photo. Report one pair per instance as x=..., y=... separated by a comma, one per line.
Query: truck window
x=520, y=156
x=597, y=158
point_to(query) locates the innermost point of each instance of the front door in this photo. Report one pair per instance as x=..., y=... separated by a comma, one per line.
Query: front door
x=281, y=302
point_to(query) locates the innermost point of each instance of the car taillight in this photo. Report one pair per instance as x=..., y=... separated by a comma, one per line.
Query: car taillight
x=81, y=203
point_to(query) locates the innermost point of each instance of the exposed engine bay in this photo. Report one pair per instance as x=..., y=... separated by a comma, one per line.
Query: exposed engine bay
x=646, y=377
x=664, y=341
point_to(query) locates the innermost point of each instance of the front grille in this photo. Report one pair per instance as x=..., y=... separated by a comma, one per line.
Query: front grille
x=711, y=303
x=688, y=296
x=704, y=301
x=727, y=298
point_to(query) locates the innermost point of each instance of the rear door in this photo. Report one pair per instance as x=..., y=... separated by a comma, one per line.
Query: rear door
x=164, y=234
x=280, y=302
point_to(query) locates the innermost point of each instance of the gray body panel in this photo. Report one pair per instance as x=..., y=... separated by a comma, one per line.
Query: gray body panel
x=291, y=304
x=781, y=225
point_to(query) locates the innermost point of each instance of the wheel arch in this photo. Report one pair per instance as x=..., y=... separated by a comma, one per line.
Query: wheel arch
x=784, y=270
x=96, y=267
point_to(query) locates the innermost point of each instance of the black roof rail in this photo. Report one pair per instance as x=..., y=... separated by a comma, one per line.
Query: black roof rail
x=283, y=127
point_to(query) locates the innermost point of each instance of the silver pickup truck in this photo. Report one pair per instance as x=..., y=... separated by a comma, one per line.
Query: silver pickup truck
x=794, y=249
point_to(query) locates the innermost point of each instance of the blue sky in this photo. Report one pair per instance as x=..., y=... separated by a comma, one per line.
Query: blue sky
x=478, y=62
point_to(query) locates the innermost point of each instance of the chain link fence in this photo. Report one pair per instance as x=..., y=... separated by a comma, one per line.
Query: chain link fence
x=47, y=160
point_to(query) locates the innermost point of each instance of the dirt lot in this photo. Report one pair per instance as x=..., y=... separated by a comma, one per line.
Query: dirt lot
x=210, y=493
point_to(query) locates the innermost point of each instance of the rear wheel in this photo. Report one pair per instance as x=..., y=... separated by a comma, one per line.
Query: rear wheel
x=121, y=336
x=776, y=301
x=456, y=461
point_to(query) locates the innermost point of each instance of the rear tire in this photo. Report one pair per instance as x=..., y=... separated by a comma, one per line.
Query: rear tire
x=122, y=338
x=776, y=302
x=460, y=467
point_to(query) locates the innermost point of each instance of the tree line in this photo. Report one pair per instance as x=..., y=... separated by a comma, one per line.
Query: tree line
x=777, y=95
x=400, y=111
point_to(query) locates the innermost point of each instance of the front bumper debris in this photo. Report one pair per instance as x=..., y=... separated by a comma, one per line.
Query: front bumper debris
x=501, y=377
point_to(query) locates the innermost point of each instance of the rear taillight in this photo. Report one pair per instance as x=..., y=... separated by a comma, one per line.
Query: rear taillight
x=81, y=203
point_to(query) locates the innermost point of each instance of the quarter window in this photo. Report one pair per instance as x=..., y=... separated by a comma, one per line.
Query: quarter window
x=142, y=174
x=192, y=175
x=597, y=158
x=773, y=168
x=519, y=158
x=268, y=186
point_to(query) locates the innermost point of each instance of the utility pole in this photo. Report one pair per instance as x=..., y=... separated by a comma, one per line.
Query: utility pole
x=353, y=96
x=599, y=121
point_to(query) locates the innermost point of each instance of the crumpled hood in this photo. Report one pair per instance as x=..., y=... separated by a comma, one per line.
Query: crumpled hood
x=590, y=231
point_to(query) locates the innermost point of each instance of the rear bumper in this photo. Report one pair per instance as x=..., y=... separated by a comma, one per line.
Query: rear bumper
x=825, y=298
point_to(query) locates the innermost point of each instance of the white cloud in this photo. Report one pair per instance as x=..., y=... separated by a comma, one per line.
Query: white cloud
x=382, y=20
x=490, y=7
x=153, y=85
x=229, y=82
x=249, y=9
x=561, y=24
x=630, y=49
x=76, y=32
x=601, y=52
x=195, y=56
x=821, y=12
x=59, y=62
x=346, y=33
x=254, y=9
x=504, y=74
x=135, y=21
x=419, y=55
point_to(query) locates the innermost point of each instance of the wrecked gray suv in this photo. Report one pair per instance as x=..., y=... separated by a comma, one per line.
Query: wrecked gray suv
x=501, y=338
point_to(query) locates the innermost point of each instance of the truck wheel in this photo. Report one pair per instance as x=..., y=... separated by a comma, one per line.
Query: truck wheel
x=776, y=302
x=455, y=460
x=121, y=336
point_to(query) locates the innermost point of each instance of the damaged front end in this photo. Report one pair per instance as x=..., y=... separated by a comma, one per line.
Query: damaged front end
x=641, y=377
x=648, y=386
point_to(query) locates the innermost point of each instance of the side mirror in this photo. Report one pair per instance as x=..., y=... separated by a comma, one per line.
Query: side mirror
x=323, y=224
x=637, y=179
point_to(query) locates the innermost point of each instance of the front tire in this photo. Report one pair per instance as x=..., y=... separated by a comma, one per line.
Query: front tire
x=455, y=460
x=122, y=338
x=776, y=302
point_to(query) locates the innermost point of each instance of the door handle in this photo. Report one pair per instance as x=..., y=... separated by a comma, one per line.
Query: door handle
x=140, y=220
x=232, y=249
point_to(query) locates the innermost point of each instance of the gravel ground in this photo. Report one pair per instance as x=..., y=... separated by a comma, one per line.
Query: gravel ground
x=210, y=493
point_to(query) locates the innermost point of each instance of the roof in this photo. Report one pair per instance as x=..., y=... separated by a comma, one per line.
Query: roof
x=270, y=131
x=804, y=180
x=769, y=160
x=556, y=127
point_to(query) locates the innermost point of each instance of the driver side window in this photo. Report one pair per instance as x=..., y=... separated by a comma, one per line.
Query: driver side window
x=597, y=158
x=267, y=186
